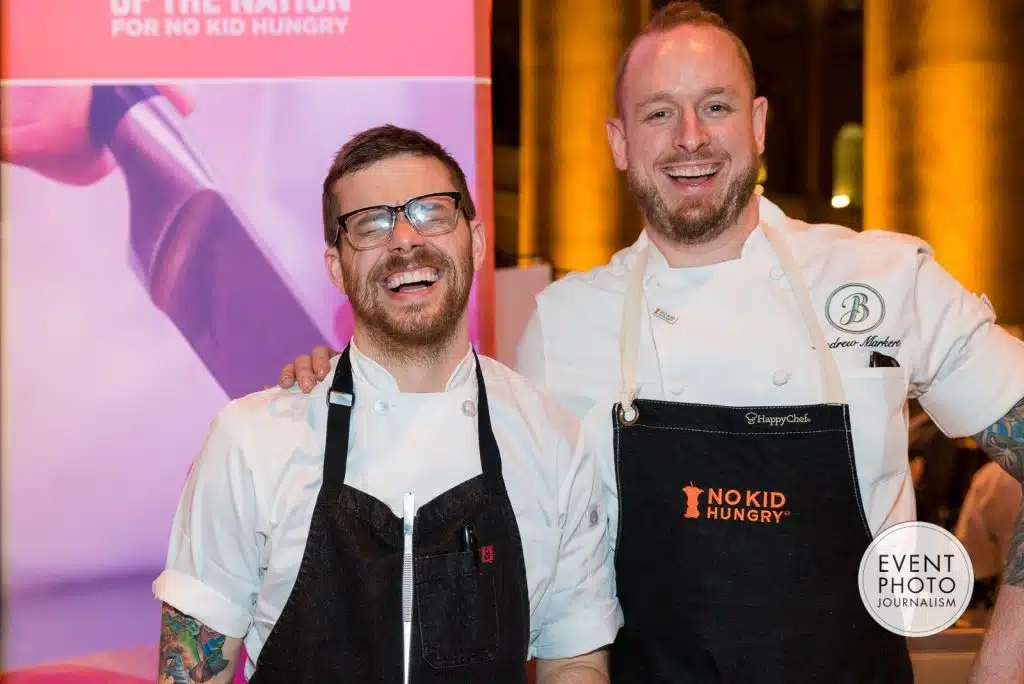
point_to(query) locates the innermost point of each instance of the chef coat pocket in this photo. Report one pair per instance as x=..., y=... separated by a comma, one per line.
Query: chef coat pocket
x=877, y=397
x=458, y=610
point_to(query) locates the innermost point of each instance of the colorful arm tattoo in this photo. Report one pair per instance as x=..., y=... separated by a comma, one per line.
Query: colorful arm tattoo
x=1003, y=441
x=189, y=650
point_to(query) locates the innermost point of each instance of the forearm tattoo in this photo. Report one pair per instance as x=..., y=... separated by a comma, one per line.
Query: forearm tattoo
x=1014, y=571
x=189, y=650
x=1004, y=443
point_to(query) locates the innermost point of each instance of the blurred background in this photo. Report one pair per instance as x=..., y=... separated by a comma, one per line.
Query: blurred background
x=896, y=115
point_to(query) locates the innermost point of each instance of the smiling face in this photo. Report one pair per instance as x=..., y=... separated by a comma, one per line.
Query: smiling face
x=411, y=293
x=690, y=133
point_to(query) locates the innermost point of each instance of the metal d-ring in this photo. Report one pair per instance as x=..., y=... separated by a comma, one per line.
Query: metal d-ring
x=623, y=420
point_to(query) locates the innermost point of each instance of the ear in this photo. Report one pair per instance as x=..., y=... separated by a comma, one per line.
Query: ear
x=479, y=237
x=760, y=115
x=332, y=259
x=616, y=130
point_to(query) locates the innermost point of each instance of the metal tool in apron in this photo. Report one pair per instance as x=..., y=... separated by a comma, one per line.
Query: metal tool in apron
x=407, y=581
x=758, y=597
x=193, y=249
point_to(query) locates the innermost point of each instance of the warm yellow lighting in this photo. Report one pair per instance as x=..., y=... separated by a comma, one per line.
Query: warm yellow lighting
x=847, y=167
x=585, y=184
x=884, y=106
x=529, y=155
x=960, y=79
x=958, y=88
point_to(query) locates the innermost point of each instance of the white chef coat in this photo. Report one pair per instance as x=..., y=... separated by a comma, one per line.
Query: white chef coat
x=731, y=334
x=987, y=519
x=240, y=530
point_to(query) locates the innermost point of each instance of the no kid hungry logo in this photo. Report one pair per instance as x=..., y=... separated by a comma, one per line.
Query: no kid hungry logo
x=735, y=505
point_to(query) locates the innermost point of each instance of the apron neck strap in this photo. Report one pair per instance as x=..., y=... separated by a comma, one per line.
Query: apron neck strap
x=832, y=385
x=629, y=335
x=629, y=332
x=340, y=399
x=490, y=455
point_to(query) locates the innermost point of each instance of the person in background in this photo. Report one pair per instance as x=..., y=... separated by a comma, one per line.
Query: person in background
x=986, y=521
x=291, y=530
x=744, y=376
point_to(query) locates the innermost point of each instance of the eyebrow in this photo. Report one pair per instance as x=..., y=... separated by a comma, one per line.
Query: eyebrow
x=664, y=95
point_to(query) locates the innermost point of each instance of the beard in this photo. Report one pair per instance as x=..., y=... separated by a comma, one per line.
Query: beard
x=415, y=331
x=695, y=222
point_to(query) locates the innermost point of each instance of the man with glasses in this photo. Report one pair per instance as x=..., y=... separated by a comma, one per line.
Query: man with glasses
x=425, y=513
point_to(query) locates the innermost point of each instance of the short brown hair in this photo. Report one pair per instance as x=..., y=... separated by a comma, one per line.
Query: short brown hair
x=380, y=143
x=672, y=16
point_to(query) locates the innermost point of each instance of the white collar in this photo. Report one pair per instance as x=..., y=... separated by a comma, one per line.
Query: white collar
x=366, y=370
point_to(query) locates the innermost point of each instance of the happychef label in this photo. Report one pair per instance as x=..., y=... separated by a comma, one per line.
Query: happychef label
x=916, y=579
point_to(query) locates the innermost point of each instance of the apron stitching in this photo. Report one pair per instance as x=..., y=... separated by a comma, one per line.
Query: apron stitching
x=618, y=487
x=725, y=432
x=665, y=402
x=856, y=480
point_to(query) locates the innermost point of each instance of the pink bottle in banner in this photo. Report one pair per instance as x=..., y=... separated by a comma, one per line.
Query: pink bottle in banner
x=193, y=249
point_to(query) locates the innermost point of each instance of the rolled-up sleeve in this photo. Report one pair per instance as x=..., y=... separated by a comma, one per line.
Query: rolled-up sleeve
x=581, y=613
x=214, y=557
x=970, y=371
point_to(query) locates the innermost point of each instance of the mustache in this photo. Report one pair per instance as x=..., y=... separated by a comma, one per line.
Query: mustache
x=425, y=259
x=687, y=157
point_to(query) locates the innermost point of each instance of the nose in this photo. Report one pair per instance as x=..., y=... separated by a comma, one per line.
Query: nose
x=405, y=236
x=691, y=133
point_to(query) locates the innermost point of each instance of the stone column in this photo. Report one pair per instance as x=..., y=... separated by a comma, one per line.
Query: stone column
x=573, y=203
x=944, y=137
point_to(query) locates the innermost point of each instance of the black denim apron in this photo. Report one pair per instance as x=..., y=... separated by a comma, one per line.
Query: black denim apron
x=741, y=532
x=343, y=619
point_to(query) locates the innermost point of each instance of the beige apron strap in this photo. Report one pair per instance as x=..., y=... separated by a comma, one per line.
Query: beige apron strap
x=629, y=332
x=830, y=378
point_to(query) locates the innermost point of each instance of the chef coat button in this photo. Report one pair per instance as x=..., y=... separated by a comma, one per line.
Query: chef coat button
x=776, y=273
x=469, y=408
x=381, y=406
x=781, y=377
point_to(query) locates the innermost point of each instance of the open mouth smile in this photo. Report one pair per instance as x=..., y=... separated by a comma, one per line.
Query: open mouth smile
x=412, y=282
x=693, y=176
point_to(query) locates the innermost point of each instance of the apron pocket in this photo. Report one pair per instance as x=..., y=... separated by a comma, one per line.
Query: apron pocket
x=457, y=610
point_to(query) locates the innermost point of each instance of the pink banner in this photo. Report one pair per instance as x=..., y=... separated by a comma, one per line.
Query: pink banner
x=164, y=254
x=191, y=39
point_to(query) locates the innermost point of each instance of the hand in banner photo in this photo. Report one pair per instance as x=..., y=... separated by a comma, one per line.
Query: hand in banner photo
x=192, y=246
x=46, y=129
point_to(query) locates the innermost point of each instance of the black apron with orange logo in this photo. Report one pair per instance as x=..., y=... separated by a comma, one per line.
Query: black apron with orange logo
x=343, y=619
x=741, y=532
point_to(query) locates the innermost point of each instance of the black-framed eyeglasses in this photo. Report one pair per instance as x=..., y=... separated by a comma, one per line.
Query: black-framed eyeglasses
x=430, y=215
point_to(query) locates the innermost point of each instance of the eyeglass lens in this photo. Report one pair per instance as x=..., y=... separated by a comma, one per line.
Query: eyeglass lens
x=429, y=215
